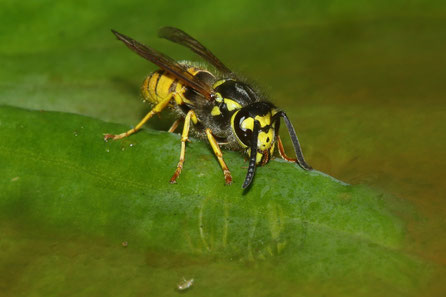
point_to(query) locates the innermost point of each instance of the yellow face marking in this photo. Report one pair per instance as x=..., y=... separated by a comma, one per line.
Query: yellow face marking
x=264, y=120
x=258, y=155
x=215, y=111
x=265, y=140
x=249, y=122
x=231, y=104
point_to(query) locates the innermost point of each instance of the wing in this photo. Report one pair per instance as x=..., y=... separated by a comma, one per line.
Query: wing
x=178, y=36
x=168, y=64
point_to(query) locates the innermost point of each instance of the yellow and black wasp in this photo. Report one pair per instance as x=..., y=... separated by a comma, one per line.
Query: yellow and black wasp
x=222, y=108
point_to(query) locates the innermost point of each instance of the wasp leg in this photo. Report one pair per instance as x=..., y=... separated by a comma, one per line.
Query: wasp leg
x=282, y=151
x=174, y=125
x=157, y=109
x=217, y=152
x=189, y=116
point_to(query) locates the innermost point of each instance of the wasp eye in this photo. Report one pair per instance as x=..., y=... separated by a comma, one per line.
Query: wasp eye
x=246, y=137
x=243, y=127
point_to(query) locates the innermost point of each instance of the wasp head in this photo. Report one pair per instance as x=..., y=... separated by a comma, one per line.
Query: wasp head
x=255, y=129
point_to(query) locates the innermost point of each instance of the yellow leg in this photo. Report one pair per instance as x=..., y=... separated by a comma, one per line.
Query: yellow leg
x=282, y=151
x=190, y=115
x=174, y=125
x=157, y=109
x=217, y=152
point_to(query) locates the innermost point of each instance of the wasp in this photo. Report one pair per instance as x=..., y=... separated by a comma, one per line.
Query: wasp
x=215, y=104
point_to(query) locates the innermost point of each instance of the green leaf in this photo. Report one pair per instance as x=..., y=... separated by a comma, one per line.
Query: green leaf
x=292, y=230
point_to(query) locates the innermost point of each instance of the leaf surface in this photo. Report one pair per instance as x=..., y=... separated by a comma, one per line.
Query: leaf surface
x=297, y=227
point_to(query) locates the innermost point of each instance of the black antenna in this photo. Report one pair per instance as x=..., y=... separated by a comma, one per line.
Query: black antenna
x=300, y=157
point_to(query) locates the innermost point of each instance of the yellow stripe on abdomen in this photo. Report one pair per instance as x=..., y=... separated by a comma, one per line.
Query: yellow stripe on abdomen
x=147, y=88
x=160, y=85
x=157, y=86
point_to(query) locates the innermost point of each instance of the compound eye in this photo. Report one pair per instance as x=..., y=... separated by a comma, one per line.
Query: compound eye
x=243, y=127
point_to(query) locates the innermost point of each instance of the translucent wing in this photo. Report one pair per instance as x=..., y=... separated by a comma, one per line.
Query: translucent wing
x=168, y=64
x=178, y=36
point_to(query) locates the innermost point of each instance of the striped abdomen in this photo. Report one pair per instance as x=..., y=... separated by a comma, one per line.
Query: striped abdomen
x=160, y=85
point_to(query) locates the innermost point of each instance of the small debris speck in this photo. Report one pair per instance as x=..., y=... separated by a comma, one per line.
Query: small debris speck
x=124, y=243
x=185, y=284
x=14, y=179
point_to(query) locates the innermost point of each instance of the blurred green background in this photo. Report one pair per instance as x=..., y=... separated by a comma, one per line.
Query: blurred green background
x=363, y=81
